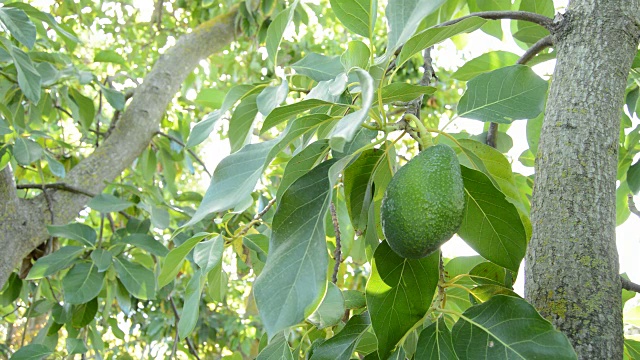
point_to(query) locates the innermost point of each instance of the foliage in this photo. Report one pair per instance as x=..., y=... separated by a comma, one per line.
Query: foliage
x=283, y=256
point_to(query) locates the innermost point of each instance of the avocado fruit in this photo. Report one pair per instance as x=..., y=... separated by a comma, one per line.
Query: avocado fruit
x=423, y=205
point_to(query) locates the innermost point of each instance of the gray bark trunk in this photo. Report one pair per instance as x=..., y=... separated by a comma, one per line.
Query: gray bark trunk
x=572, y=262
x=23, y=222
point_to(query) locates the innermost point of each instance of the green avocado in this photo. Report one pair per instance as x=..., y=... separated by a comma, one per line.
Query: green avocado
x=423, y=205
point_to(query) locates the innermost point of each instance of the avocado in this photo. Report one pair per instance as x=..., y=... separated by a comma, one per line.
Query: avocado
x=423, y=205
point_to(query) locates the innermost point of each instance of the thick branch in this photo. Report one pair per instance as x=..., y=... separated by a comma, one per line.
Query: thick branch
x=129, y=138
x=541, y=20
x=628, y=285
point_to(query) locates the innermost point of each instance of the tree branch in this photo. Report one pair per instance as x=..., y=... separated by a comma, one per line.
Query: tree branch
x=131, y=135
x=632, y=206
x=57, y=186
x=179, y=142
x=256, y=219
x=192, y=348
x=541, y=20
x=628, y=285
x=337, y=255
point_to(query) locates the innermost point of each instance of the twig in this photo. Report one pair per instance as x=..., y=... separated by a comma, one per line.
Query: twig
x=190, y=345
x=57, y=186
x=628, y=285
x=632, y=206
x=337, y=255
x=541, y=20
x=535, y=49
x=179, y=142
x=256, y=219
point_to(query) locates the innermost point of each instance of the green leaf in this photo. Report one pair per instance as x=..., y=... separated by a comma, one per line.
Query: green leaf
x=146, y=242
x=404, y=92
x=82, y=283
x=19, y=25
x=346, y=128
x=114, y=97
x=102, y=259
x=173, y=262
x=329, y=90
x=47, y=18
x=217, y=281
x=504, y=95
x=359, y=16
x=27, y=151
x=633, y=177
x=4, y=127
x=319, y=67
x=54, y=262
x=399, y=293
x=86, y=108
x=491, y=224
x=278, y=349
x=107, y=203
x=484, y=63
x=358, y=182
x=55, y=166
x=137, y=279
x=29, y=79
x=293, y=281
x=83, y=314
x=32, y=352
x=331, y=310
x=208, y=254
x=301, y=163
x=404, y=16
x=435, y=342
x=241, y=123
x=190, y=310
x=432, y=36
x=276, y=29
x=534, y=126
x=342, y=345
x=74, y=231
x=354, y=299
x=210, y=97
x=530, y=32
x=110, y=56
x=75, y=346
x=493, y=28
x=271, y=97
x=11, y=290
x=507, y=327
x=284, y=113
x=631, y=349
x=356, y=56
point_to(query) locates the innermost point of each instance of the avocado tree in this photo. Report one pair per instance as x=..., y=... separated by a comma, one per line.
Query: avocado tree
x=109, y=249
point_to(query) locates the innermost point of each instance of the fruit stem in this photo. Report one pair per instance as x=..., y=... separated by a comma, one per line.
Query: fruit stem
x=425, y=138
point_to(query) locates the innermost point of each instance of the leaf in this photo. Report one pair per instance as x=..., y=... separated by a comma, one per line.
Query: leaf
x=491, y=225
x=107, y=203
x=147, y=243
x=356, y=56
x=278, y=349
x=399, y=292
x=484, y=63
x=29, y=79
x=210, y=97
x=347, y=127
x=26, y=151
x=173, y=262
x=632, y=349
x=404, y=92
x=293, y=281
x=83, y=314
x=633, y=177
x=11, y=290
x=507, y=327
x=74, y=231
x=504, y=95
x=208, y=254
x=276, y=29
x=19, y=25
x=190, y=310
x=82, y=283
x=284, y=113
x=493, y=28
x=137, y=279
x=241, y=123
x=534, y=126
x=75, y=346
x=530, y=32
x=435, y=342
x=342, y=345
x=319, y=67
x=432, y=36
x=329, y=90
x=47, y=18
x=358, y=182
x=331, y=310
x=86, y=109
x=404, y=16
x=4, y=127
x=54, y=262
x=114, y=97
x=301, y=163
x=55, y=166
x=110, y=56
x=32, y=352
x=271, y=97
x=102, y=259
x=359, y=16
x=217, y=281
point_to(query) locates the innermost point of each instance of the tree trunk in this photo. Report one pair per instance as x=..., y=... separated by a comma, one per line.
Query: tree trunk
x=572, y=262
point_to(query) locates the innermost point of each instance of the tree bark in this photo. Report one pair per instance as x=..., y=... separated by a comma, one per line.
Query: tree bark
x=23, y=222
x=572, y=262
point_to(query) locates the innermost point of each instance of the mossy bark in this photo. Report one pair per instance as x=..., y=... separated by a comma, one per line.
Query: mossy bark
x=572, y=262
